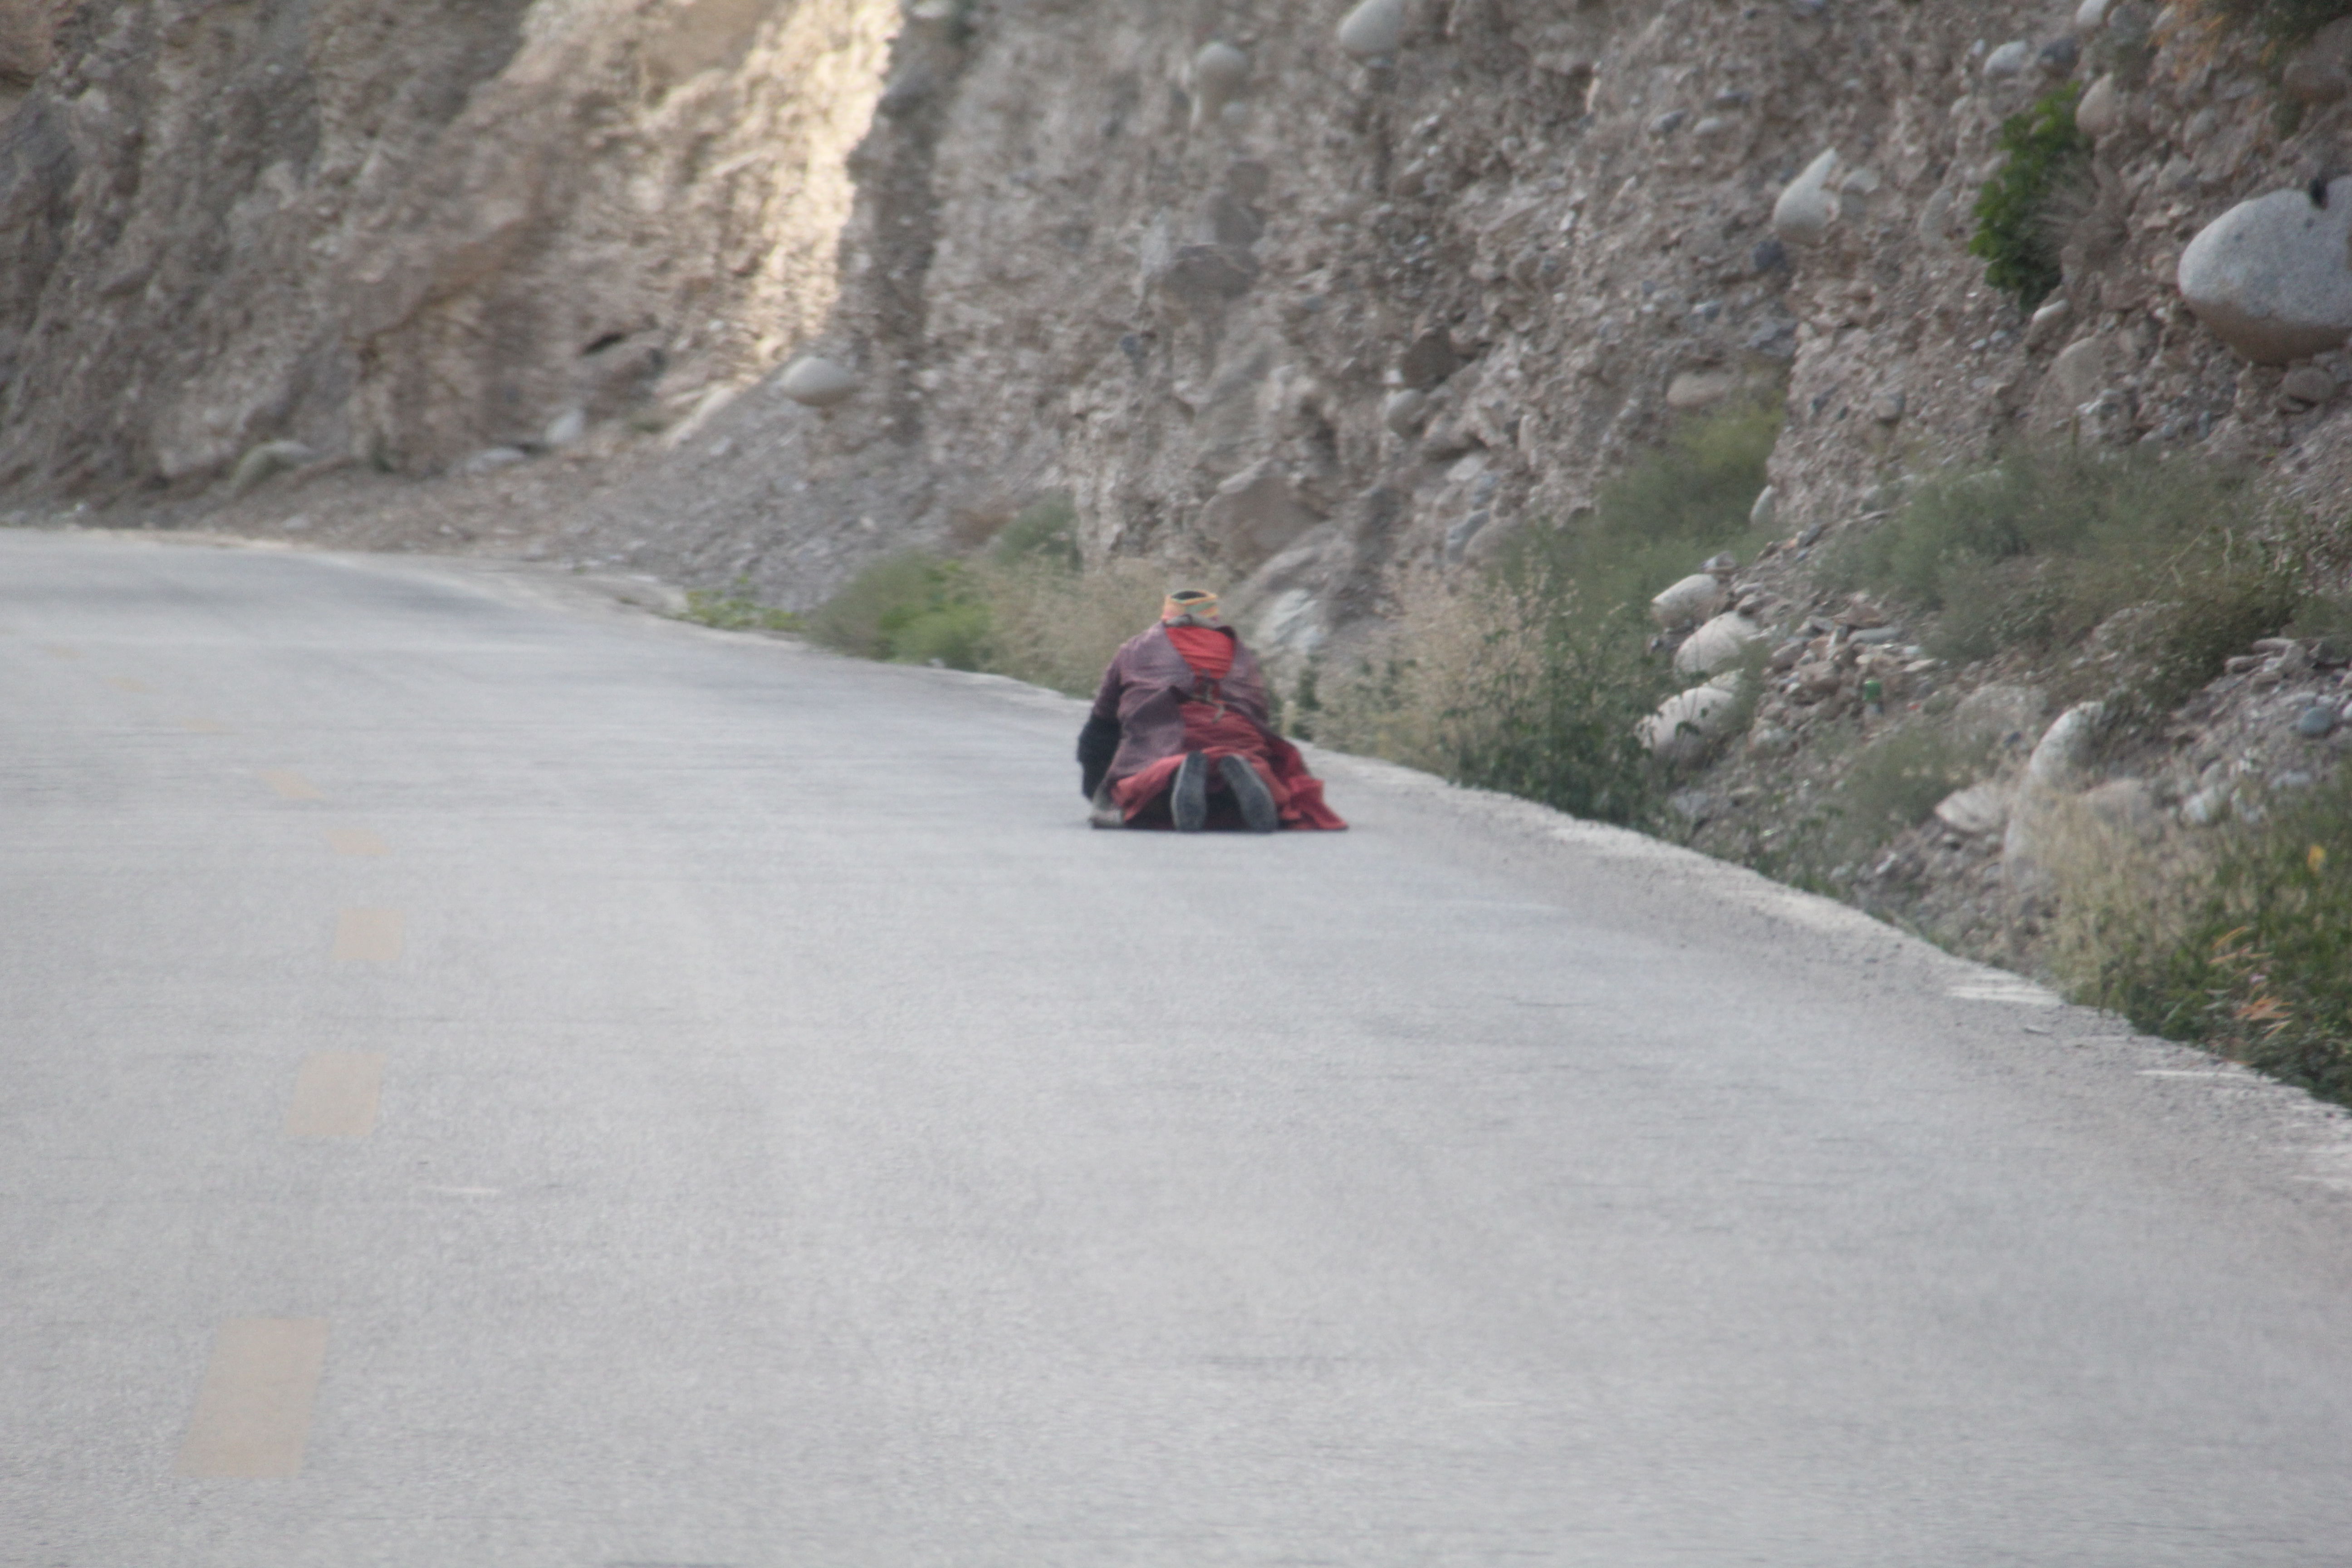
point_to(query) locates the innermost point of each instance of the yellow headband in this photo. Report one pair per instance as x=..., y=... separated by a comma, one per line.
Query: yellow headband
x=1189, y=603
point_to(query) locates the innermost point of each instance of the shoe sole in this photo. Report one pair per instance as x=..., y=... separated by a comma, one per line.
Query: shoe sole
x=1258, y=810
x=1188, y=801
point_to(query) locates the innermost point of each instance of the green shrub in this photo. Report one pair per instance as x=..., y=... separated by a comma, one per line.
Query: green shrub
x=1556, y=717
x=2044, y=547
x=1511, y=682
x=1023, y=610
x=1046, y=532
x=913, y=607
x=1656, y=522
x=2045, y=154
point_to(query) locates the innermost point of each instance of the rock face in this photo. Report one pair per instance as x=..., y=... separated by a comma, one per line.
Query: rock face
x=2273, y=276
x=408, y=229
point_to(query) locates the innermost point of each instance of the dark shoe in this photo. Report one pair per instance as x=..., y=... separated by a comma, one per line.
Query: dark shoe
x=1188, y=798
x=1251, y=794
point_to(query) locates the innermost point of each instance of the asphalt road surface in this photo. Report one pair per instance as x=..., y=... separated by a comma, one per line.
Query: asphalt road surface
x=492, y=1076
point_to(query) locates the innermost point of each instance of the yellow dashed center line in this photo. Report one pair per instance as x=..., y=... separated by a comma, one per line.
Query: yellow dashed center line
x=253, y=1414
x=356, y=841
x=124, y=683
x=203, y=726
x=372, y=936
x=290, y=784
x=335, y=1095
x=59, y=650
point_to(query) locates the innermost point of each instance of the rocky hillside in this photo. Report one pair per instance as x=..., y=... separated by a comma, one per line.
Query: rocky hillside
x=1296, y=302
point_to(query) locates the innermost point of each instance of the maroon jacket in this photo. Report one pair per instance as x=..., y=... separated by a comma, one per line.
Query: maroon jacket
x=1145, y=688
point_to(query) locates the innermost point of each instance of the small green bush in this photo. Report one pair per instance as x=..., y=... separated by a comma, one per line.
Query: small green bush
x=1052, y=624
x=2045, y=152
x=1046, y=532
x=1562, y=725
x=1656, y=522
x=2046, y=546
x=1023, y=609
x=916, y=606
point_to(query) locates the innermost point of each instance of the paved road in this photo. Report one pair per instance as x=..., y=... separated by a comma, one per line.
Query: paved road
x=494, y=1078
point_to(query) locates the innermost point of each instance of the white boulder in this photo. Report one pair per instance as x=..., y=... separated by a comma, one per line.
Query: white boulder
x=1694, y=389
x=1374, y=28
x=266, y=462
x=1718, y=644
x=1220, y=72
x=1686, y=723
x=2062, y=759
x=1402, y=410
x=817, y=383
x=2009, y=62
x=1981, y=808
x=2100, y=110
x=2273, y=276
x=1806, y=208
x=1688, y=601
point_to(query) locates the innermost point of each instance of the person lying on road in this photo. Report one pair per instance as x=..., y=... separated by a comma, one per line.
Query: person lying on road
x=1180, y=734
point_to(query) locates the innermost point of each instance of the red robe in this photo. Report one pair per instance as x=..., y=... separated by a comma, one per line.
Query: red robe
x=1174, y=690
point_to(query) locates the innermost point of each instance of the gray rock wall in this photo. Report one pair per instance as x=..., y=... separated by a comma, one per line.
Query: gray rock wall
x=406, y=230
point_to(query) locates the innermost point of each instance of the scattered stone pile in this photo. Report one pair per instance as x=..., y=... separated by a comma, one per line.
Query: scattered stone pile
x=1842, y=676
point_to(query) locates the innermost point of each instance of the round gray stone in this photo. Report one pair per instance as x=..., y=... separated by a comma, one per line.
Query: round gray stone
x=1374, y=28
x=817, y=383
x=2009, y=61
x=2273, y=276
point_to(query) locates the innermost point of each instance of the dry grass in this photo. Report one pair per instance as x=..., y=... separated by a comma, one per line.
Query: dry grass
x=2238, y=937
x=2121, y=894
x=1057, y=627
x=1405, y=700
